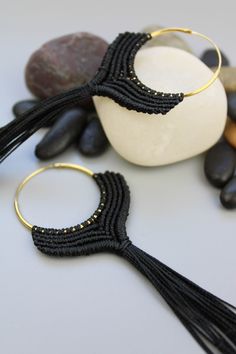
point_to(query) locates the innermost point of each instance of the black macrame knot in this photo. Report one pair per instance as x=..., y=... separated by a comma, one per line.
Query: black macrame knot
x=124, y=246
x=104, y=231
x=115, y=78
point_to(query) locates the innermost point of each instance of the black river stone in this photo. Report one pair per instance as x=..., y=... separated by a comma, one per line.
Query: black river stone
x=231, y=97
x=22, y=106
x=93, y=140
x=228, y=194
x=219, y=164
x=210, y=58
x=62, y=134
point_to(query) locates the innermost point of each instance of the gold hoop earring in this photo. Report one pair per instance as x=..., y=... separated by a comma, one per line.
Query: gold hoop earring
x=116, y=79
x=190, y=32
x=105, y=231
x=37, y=172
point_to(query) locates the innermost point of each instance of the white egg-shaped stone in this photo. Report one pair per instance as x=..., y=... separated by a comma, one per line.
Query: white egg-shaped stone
x=190, y=128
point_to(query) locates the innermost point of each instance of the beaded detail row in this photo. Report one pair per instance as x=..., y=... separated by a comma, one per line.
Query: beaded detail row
x=91, y=220
x=116, y=78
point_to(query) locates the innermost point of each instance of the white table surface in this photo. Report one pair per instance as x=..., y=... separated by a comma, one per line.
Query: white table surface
x=100, y=304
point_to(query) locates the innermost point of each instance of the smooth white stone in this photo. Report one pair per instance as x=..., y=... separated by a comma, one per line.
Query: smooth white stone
x=190, y=128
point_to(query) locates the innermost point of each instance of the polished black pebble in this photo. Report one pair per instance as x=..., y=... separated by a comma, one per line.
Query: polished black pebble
x=93, y=140
x=231, y=97
x=228, y=194
x=22, y=106
x=219, y=164
x=62, y=134
x=210, y=58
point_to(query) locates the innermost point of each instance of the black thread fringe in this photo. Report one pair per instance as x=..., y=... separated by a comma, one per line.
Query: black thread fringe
x=210, y=320
x=19, y=130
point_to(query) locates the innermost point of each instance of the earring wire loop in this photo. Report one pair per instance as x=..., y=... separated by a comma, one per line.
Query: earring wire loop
x=189, y=31
x=35, y=173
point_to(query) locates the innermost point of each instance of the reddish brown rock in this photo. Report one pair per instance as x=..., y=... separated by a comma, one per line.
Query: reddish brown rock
x=64, y=63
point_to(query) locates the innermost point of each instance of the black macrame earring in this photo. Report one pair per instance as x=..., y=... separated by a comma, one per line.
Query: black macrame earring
x=115, y=78
x=210, y=320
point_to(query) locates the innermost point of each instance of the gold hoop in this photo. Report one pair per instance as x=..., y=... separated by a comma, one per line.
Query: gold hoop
x=189, y=31
x=35, y=173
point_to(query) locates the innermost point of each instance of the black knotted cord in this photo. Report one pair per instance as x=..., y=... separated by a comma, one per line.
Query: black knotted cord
x=210, y=320
x=115, y=78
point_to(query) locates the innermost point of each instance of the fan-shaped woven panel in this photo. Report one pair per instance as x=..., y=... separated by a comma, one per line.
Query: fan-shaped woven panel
x=116, y=78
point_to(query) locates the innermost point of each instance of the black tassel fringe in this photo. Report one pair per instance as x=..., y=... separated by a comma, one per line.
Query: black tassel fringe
x=19, y=130
x=210, y=320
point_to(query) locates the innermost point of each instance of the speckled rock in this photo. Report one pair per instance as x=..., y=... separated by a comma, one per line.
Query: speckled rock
x=64, y=63
x=228, y=194
x=167, y=39
x=230, y=133
x=210, y=58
